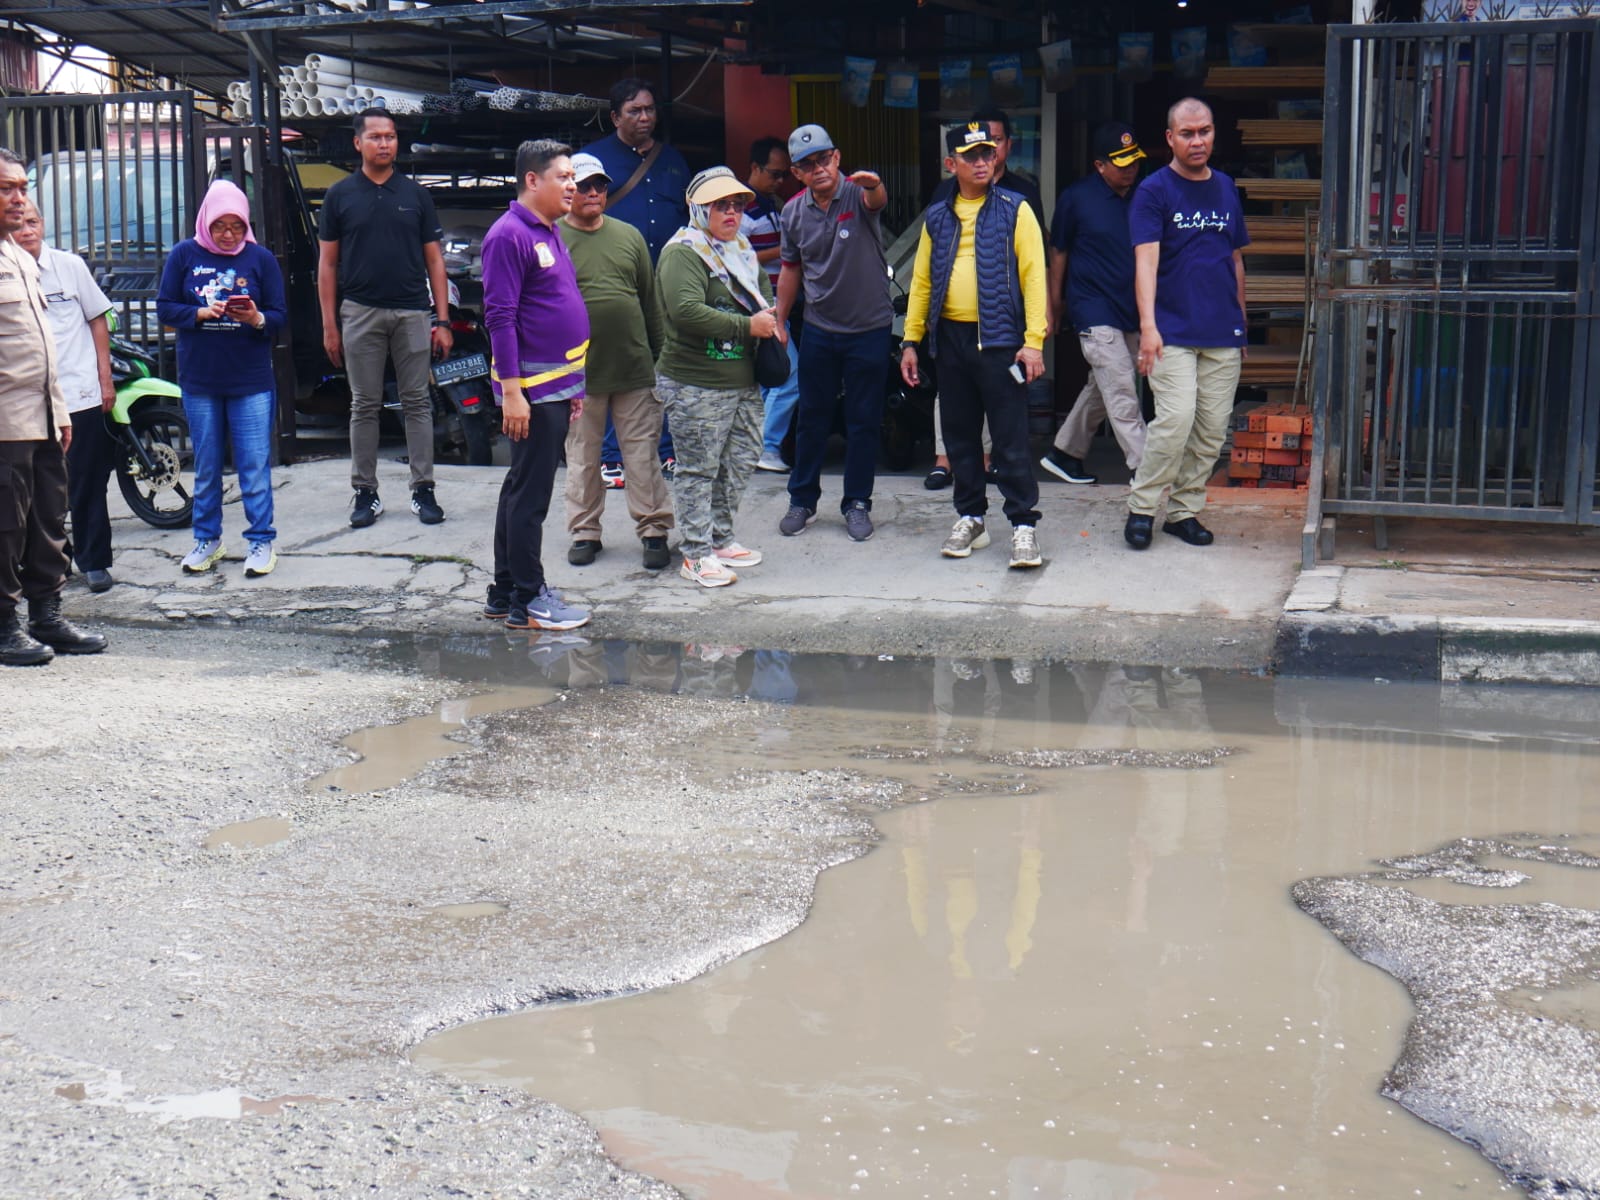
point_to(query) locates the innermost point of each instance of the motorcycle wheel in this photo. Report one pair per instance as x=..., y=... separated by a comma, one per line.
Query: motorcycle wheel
x=159, y=485
x=477, y=434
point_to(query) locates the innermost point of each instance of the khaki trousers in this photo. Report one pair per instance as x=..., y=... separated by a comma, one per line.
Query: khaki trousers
x=372, y=338
x=1194, y=389
x=637, y=417
x=1110, y=392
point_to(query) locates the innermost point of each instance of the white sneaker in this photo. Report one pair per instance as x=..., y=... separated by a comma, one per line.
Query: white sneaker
x=736, y=555
x=772, y=462
x=1025, y=547
x=260, y=561
x=968, y=534
x=205, y=555
x=709, y=572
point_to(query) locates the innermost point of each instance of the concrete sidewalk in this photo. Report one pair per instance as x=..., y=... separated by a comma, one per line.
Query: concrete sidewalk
x=1444, y=602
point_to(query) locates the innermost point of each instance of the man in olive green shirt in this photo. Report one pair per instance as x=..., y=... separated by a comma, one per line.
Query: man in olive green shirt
x=614, y=275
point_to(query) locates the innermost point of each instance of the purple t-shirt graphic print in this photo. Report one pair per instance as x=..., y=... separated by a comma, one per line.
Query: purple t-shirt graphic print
x=1199, y=224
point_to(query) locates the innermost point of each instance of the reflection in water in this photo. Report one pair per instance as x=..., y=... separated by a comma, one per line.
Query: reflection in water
x=1057, y=980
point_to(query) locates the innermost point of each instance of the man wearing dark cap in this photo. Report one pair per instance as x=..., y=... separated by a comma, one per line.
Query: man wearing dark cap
x=1090, y=232
x=832, y=244
x=978, y=309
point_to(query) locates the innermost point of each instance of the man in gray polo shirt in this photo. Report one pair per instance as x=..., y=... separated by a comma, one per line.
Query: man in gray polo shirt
x=831, y=243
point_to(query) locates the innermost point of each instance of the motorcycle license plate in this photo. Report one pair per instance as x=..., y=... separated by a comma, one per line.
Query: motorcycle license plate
x=468, y=366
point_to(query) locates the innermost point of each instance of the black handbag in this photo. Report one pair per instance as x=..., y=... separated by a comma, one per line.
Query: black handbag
x=772, y=362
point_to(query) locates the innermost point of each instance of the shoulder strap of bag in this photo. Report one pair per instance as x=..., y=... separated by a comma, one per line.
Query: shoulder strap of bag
x=639, y=173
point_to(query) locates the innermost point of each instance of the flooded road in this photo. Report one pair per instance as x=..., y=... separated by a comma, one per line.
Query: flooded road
x=1076, y=967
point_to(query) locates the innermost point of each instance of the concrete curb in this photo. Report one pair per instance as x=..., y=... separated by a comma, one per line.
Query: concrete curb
x=1315, y=638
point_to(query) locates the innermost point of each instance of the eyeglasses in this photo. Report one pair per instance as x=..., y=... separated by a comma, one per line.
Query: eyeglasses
x=218, y=228
x=592, y=184
x=807, y=165
x=731, y=205
x=979, y=154
x=775, y=172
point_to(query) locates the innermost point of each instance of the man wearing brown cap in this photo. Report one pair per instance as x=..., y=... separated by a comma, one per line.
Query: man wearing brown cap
x=978, y=309
x=1090, y=233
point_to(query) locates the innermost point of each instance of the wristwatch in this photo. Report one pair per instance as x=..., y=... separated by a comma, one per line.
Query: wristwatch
x=439, y=323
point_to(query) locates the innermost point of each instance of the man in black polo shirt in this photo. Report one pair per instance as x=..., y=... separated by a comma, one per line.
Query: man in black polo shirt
x=1091, y=252
x=380, y=253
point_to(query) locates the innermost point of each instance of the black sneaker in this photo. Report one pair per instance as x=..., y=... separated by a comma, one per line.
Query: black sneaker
x=656, y=554
x=496, y=605
x=425, y=506
x=582, y=552
x=365, y=508
x=1065, y=467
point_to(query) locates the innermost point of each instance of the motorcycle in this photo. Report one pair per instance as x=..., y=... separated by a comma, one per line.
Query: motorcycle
x=465, y=417
x=154, y=453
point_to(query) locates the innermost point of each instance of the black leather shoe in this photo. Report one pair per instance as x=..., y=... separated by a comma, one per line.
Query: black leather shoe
x=656, y=554
x=582, y=553
x=1190, y=530
x=1137, y=530
x=46, y=624
x=17, y=649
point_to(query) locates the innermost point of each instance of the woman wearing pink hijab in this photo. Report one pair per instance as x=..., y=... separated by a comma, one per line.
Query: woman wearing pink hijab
x=223, y=293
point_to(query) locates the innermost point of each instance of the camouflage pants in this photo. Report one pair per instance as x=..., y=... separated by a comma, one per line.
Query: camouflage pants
x=716, y=435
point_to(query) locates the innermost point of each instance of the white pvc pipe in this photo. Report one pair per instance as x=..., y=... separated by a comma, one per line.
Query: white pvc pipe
x=297, y=108
x=300, y=74
x=313, y=60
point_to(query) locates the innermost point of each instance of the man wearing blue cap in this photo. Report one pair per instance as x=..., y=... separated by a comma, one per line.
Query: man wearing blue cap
x=832, y=245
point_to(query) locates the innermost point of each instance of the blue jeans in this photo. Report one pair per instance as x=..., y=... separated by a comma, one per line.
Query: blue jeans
x=611, y=452
x=780, y=402
x=859, y=362
x=247, y=422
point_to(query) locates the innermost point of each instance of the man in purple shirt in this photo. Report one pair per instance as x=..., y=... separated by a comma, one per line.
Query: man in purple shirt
x=539, y=339
x=1188, y=234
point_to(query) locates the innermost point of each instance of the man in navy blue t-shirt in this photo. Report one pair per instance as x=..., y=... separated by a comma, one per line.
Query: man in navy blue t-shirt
x=1090, y=232
x=1188, y=233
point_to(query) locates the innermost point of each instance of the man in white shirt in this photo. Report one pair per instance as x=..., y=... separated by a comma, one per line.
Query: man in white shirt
x=77, y=312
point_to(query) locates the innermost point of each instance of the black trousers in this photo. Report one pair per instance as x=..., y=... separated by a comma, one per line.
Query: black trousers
x=89, y=465
x=974, y=384
x=525, y=502
x=33, y=522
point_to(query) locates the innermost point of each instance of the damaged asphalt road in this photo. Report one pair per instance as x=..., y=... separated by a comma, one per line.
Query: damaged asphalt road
x=147, y=977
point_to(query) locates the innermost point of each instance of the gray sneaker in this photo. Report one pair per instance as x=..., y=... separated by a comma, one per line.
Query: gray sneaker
x=795, y=520
x=1025, y=547
x=547, y=610
x=858, y=521
x=968, y=534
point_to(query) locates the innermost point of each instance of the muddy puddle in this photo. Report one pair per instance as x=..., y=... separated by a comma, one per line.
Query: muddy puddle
x=1080, y=968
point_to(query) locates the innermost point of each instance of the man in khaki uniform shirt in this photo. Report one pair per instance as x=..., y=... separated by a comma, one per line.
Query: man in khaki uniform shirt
x=35, y=431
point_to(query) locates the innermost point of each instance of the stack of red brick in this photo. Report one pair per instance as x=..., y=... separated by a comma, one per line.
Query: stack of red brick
x=1271, y=447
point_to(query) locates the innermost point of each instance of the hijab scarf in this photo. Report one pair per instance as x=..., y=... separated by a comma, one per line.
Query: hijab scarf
x=223, y=199
x=733, y=262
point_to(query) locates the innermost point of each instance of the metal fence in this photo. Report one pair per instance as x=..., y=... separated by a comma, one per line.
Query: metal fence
x=1458, y=371
x=118, y=180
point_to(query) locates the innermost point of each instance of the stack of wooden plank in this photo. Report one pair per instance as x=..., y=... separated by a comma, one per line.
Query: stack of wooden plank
x=1271, y=447
x=1281, y=132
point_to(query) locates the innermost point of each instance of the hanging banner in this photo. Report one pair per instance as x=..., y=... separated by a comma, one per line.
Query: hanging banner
x=1056, y=58
x=1136, y=53
x=955, y=85
x=857, y=82
x=1189, y=52
x=1005, y=80
x=900, y=86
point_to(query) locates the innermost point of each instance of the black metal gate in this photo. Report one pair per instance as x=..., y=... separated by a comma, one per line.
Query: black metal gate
x=1458, y=369
x=118, y=180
